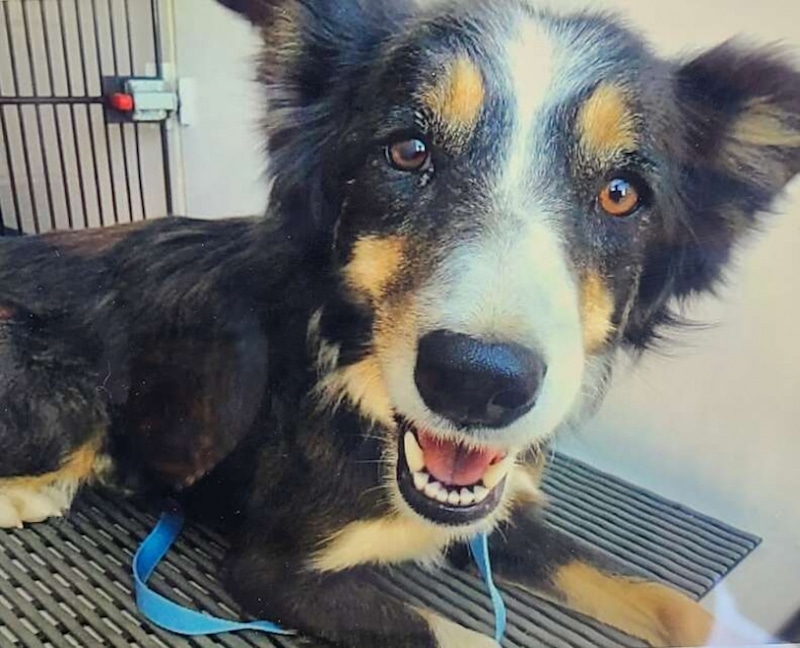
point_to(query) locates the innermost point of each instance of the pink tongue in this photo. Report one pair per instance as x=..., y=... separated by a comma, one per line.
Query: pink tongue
x=454, y=464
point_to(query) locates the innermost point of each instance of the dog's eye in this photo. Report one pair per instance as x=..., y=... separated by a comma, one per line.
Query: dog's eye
x=619, y=197
x=410, y=155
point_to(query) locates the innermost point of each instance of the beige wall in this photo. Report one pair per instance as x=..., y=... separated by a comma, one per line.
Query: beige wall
x=221, y=149
x=717, y=423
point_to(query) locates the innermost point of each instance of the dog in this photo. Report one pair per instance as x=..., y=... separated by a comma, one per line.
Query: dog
x=475, y=206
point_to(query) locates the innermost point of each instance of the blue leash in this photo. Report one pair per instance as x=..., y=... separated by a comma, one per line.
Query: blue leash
x=479, y=548
x=176, y=618
x=162, y=611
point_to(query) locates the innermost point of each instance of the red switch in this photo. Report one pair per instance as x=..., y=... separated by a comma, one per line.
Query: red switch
x=121, y=101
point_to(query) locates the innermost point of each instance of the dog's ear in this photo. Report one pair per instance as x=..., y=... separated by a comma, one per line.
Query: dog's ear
x=743, y=112
x=314, y=59
x=257, y=11
x=739, y=117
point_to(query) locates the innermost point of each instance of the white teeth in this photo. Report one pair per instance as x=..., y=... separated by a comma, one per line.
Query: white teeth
x=494, y=475
x=414, y=456
x=432, y=490
x=453, y=496
x=481, y=493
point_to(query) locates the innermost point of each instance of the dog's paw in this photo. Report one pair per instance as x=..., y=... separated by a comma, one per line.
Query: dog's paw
x=452, y=635
x=680, y=620
x=21, y=504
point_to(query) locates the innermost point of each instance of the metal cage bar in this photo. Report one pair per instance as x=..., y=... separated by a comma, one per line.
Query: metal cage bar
x=62, y=166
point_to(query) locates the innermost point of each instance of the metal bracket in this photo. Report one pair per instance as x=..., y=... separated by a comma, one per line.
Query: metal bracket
x=138, y=99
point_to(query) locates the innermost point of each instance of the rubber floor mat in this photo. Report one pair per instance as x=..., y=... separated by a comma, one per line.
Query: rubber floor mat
x=68, y=582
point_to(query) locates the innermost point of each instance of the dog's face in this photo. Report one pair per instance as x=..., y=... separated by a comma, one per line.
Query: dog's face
x=493, y=185
x=509, y=197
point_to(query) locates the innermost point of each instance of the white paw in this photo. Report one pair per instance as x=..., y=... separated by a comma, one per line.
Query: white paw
x=27, y=504
x=452, y=635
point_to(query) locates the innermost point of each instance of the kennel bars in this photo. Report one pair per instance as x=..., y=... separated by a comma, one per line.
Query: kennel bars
x=66, y=162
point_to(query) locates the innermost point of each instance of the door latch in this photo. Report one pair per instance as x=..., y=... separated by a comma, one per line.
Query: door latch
x=138, y=99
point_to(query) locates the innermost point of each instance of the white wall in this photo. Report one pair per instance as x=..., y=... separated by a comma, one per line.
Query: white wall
x=717, y=424
x=222, y=150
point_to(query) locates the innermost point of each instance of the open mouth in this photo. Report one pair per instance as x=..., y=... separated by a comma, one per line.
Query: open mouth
x=446, y=481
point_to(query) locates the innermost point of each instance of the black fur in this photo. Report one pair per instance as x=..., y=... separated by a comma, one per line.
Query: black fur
x=194, y=353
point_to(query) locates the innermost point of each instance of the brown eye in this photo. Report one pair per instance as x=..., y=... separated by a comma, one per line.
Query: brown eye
x=619, y=197
x=409, y=155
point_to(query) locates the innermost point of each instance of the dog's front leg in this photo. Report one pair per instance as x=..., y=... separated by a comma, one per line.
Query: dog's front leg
x=531, y=554
x=347, y=608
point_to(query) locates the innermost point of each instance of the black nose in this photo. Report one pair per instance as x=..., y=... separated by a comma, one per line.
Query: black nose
x=475, y=383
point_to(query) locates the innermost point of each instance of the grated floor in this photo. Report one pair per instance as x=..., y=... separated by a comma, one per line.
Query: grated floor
x=68, y=582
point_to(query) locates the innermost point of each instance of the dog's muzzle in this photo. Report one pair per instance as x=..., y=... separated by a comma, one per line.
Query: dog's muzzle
x=474, y=383
x=449, y=482
x=457, y=477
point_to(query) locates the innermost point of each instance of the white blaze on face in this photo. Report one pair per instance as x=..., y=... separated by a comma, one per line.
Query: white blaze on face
x=530, y=62
x=512, y=282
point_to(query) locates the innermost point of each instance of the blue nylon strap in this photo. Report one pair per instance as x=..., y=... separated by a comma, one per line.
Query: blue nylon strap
x=178, y=619
x=162, y=611
x=479, y=547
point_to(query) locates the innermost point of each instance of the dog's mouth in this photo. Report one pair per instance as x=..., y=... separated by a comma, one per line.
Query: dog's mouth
x=449, y=482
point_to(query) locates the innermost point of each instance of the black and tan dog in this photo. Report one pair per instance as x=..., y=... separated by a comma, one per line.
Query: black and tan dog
x=475, y=205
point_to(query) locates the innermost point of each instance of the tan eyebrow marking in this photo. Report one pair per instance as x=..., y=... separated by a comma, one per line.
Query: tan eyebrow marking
x=456, y=99
x=606, y=125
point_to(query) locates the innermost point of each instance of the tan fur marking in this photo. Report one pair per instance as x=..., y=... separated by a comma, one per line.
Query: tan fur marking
x=761, y=124
x=451, y=635
x=456, y=99
x=393, y=338
x=651, y=611
x=597, y=307
x=606, y=126
x=752, y=149
x=362, y=384
x=77, y=467
x=522, y=486
x=374, y=263
x=33, y=499
x=383, y=541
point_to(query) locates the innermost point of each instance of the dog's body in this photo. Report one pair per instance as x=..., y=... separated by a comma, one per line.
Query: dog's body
x=474, y=207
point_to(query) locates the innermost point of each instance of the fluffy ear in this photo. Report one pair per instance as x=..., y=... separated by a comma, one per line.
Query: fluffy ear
x=739, y=113
x=743, y=107
x=254, y=10
x=314, y=58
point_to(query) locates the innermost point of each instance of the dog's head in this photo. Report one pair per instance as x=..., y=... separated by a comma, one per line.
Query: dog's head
x=508, y=197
